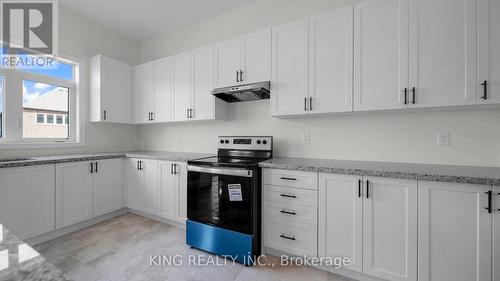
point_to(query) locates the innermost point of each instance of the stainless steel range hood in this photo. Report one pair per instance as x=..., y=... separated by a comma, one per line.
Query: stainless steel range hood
x=248, y=92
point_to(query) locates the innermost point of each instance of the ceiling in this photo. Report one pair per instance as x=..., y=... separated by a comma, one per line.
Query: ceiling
x=144, y=19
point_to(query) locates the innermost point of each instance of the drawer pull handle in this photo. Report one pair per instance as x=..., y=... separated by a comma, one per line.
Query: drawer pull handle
x=287, y=195
x=288, y=213
x=288, y=179
x=287, y=237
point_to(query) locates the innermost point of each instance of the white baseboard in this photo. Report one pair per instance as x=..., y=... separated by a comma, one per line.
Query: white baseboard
x=72, y=228
x=340, y=271
x=158, y=219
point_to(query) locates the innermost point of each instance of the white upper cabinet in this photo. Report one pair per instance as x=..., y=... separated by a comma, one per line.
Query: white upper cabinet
x=203, y=101
x=144, y=92
x=289, y=82
x=183, y=85
x=110, y=91
x=380, y=54
x=256, y=57
x=454, y=232
x=163, y=90
x=227, y=63
x=442, y=52
x=243, y=60
x=488, y=52
x=331, y=62
x=390, y=229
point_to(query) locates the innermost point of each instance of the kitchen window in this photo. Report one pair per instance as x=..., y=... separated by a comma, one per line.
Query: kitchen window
x=40, y=107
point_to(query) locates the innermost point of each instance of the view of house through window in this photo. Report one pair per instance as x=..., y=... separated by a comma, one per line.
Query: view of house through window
x=45, y=109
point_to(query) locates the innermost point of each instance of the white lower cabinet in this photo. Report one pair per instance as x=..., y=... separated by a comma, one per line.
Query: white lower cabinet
x=371, y=220
x=340, y=222
x=107, y=187
x=454, y=234
x=390, y=228
x=27, y=200
x=73, y=192
x=496, y=234
x=87, y=189
x=142, y=188
x=290, y=211
x=173, y=190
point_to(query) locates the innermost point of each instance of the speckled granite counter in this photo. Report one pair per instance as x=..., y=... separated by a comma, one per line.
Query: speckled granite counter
x=443, y=173
x=18, y=261
x=42, y=160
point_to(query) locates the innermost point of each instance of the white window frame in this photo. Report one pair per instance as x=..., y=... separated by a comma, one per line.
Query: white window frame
x=36, y=118
x=13, y=107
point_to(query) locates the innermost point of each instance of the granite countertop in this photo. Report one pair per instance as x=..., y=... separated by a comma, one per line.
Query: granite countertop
x=431, y=172
x=18, y=261
x=42, y=160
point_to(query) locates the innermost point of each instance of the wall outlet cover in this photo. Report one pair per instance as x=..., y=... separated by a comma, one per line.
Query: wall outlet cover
x=443, y=138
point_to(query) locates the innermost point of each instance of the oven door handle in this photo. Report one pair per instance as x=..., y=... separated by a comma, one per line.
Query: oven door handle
x=221, y=171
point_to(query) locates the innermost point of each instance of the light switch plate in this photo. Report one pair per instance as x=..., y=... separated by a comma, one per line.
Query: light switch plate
x=306, y=138
x=443, y=138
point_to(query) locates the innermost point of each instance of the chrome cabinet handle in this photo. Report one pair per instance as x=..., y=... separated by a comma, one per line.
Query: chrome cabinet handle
x=359, y=188
x=413, y=94
x=485, y=90
x=305, y=104
x=104, y=115
x=310, y=103
x=287, y=237
x=287, y=195
x=91, y=167
x=367, y=189
x=405, y=101
x=241, y=75
x=187, y=113
x=288, y=213
x=288, y=179
x=237, y=77
x=96, y=163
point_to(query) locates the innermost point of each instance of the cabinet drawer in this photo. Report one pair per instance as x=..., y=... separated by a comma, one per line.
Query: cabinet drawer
x=289, y=178
x=295, y=196
x=294, y=238
x=289, y=212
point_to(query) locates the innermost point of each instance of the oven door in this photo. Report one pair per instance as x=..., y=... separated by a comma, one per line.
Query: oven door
x=222, y=197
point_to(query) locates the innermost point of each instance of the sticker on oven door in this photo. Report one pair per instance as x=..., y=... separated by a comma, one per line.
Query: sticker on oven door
x=235, y=192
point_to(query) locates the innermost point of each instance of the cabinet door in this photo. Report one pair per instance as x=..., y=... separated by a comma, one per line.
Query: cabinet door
x=488, y=51
x=107, y=192
x=454, y=232
x=134, y=183
x=443, y=52
x=163, y=87
x=330, y=62
x=496, y=234
x=144, y=92
x=380, y=54
x=256, y=57
x=289, y=83
x=73, y=193
x=227, y=62
x=203, y=100
x=341, y=235
x=116, y=83
x=27, y=200
x=181, y=170
x=183, y=85
x=390, y=228
x=168, y=190
x=150, y=203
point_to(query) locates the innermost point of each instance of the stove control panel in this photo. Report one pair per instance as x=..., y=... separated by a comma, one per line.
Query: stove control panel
x=248, y=143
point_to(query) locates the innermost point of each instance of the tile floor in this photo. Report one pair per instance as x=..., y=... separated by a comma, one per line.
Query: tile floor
x=120, y=249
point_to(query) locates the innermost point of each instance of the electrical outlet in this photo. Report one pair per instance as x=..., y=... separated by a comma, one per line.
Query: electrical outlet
x=443, y=138
x=306, y=138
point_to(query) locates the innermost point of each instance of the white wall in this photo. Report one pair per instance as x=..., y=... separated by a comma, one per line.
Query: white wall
x=402, y=137
x=83, y=38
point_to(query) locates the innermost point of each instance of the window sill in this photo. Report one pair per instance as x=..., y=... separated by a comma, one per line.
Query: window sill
x=32, y=145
